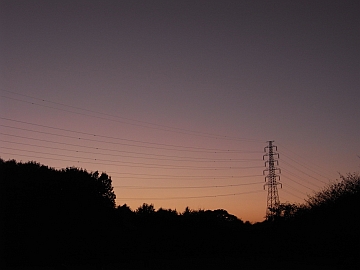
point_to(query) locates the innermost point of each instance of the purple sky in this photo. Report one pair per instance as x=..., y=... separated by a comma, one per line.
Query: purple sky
x=156, y=72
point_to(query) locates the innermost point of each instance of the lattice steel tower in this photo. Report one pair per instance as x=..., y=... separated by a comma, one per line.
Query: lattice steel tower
x=271, y=179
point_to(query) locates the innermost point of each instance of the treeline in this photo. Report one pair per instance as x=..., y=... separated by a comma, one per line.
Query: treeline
x=63, y=218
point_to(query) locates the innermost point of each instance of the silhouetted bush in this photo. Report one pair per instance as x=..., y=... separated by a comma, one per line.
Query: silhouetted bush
x=325, y=226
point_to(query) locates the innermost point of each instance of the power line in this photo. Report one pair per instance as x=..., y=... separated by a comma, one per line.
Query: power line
x=141, y=123
x=192, y=177
x=175, y=147
x=166, y=157
x=139, y=163
x=147, y=176
x=295, y=189
x=308, y=168
x=188, y=187
x=191, y=197
x=303, y=159
x=302, y=179
x=299, y=183
x=292, y=194
x=304, y=172
x=113, y=143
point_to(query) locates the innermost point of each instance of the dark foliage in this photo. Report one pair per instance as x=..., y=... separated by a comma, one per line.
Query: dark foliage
x=62, y=218
x=48, y=215
x=326, y=226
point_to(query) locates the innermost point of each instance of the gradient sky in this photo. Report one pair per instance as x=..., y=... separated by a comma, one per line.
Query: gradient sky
x=177, y=99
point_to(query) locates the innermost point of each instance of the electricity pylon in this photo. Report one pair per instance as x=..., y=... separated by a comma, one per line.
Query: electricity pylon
x=271, y=179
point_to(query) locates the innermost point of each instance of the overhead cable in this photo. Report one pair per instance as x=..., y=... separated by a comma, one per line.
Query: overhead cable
x=140, y=123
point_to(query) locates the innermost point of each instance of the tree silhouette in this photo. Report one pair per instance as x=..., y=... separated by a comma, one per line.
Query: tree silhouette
x=50, y=214
x=325, y=226
x=145, y=210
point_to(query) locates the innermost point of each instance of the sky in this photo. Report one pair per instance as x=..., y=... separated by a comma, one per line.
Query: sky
x=176, y=100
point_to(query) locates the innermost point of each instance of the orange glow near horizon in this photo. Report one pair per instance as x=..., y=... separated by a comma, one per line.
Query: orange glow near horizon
x=171, y=169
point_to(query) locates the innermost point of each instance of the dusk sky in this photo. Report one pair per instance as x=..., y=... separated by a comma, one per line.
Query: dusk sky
x=176, y=100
